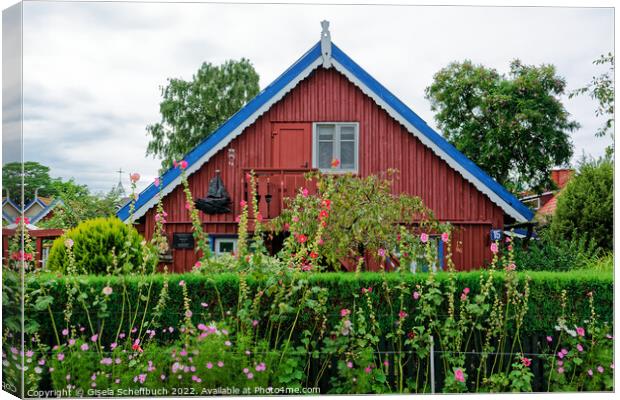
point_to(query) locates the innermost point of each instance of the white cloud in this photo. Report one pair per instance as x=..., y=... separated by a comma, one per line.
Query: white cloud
x=92, y=71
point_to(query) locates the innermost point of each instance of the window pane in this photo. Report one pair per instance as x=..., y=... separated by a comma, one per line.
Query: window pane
x=347, y=132
x=226, y=247
x=326, y=154
x=326, y=132
x=347, y=154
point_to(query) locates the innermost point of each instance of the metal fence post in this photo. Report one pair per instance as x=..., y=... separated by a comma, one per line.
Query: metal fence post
x=432, y=365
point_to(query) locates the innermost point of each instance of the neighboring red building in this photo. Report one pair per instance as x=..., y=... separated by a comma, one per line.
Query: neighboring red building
x=544, y=204
x=325, y=106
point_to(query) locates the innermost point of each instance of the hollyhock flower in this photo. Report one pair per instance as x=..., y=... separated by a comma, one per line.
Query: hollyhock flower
x=188, y=206
x=466, y=290
x=42, y=361
x=511, y=267
x=243, y=203
x=590, y=372
x=82, y=329
x=220, y=364
x=183, y=164
x=549, y=339
x=295, y=218
x=579, y=347
x=156, y=182
x=494, y=248
x=301, y=238
x=611, y=365
x=106, y=361
x=366, y=290
x=381, y=252
x=402, y=314
x=526, y=361
x=313, y=254
x=564, y=351
x=205, y=305
x=463, y=297
x=84, y=347
x=326, y=203
x=255, y=323
x=424, y=237
x=107, y=290
x=134, y=177
x=560, y=354
x=29, y=353
x=113, y=345
x=182, y=283
x=580, y=331
x=323, y=214
x=68, y=243
x=560, y=370
x=386, y=363
x=416, y=295
x=188, y=313
x=608, y=336
x=60, y=356
x=250, y=375
x=458, y=375
x=335, y=163
x=227, y=343
x=65, y=332
x=344, y=312
x=71, y=342
x=175, y=163
x=600, y=369
x=445, y=237
x=209, y=365
x=94, y=338
x=246, y=370
x=304, y=192
x=560, y=363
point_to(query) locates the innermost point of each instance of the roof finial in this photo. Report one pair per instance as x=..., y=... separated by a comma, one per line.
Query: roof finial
x=326, y=44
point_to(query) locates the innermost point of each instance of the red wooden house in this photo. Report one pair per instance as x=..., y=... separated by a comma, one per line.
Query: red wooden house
x=324, y=107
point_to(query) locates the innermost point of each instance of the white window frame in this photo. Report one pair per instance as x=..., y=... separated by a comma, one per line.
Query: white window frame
x=338, y=126
x=218, y=240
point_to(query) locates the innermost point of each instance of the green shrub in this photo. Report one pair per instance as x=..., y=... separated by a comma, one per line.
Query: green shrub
x=585, y=206
x=547, y=254
x=544, y=305
x=96, y=244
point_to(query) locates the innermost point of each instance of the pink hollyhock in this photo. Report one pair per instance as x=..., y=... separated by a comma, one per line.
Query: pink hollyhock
x=549, y=339
x=445, y=236
x=156, y=182
x=313, y=254
x=368, y=369
x=600, y=369
x=526, y=361
x=60, y=356
x=183, y=164
x=424, y=237
x=349, y=364
x=402, y=314
x=561, y=370
x=494, y=248
x=209, y=365
x=94, y=338
x=579, y=347
x=220, y=364
x=304, y=192
x=381, y=252
x=580, y=331
x=301, y=238
x=65, y=332
x=590, y=372
x=344, y=312
x=466, y=290
x=182, y=283
x=459, y=376
x=416, y=295
x=134, y=177
x=243, y=203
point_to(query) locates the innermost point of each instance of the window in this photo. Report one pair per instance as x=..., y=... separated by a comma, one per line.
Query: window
x=420, y=263
x=335, y=141
x=225, y=245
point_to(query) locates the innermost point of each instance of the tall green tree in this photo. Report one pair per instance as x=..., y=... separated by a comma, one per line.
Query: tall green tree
x=36, y=176
x=192, y=110
x=585, y=207
x=514, y=127
x=601, y=89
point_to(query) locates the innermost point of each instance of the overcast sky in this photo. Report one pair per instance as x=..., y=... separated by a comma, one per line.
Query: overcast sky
x=93, y=71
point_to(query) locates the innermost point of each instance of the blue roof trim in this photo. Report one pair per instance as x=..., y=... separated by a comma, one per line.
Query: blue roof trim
x=233, y=122
x=421, y=125
x=281, y=82
x=35, y=200
x=8, y=200
x=45, y=211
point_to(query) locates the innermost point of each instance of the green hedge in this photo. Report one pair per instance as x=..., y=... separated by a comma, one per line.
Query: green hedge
x=544, y=303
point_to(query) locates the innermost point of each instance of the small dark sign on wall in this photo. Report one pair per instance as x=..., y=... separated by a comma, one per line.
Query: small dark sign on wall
x=182, y=241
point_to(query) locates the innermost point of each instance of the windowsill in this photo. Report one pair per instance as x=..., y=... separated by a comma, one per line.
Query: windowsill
x=338, y=171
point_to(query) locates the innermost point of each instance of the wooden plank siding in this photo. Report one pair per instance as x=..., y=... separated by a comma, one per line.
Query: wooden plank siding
x=326, y=95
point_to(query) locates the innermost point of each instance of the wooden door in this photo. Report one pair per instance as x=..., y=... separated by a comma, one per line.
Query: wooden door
x=291, y=145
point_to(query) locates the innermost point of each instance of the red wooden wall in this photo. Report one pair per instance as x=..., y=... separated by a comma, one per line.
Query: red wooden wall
x=326, y=95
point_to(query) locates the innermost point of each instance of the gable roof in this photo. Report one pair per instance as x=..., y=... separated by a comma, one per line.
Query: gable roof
x=338, y=60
